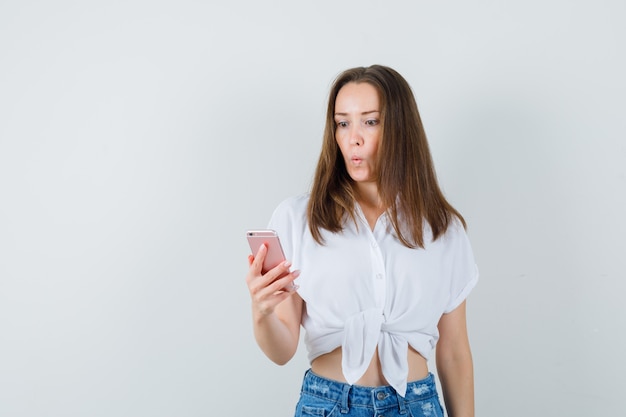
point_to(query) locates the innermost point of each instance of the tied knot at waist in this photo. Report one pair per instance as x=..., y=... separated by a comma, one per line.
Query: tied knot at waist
x=365, y=331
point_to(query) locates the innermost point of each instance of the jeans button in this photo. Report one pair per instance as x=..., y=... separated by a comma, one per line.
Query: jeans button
x=381, y=396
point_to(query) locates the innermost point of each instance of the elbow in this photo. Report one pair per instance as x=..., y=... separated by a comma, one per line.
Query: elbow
x=282, y=359
x=280, y=356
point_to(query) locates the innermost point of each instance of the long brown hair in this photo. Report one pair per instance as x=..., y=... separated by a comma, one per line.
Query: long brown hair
x=407, y=182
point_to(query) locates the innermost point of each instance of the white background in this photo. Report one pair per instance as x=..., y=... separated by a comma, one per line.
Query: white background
x=140, y=139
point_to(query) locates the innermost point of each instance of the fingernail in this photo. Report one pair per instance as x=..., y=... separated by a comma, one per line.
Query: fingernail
x=287, y=264
x=296, y=273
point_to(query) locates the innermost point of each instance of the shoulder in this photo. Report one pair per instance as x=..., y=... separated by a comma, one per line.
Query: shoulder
x=457, y=227
x=291, y=210
x=455, y=230
x=289, y=220
x=454, y=240
x=292, y=205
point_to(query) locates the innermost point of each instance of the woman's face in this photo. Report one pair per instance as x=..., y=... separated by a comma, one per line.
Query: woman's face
x=358, y=129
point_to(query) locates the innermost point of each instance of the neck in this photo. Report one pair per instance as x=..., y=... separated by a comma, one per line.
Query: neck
x=367, y=195
x=370, y=203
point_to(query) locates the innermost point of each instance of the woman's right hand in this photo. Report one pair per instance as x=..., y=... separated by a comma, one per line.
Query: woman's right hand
x=271, y=289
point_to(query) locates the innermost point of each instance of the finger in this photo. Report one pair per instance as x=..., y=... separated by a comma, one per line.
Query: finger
x=269, y=297
x=265, y=299
x=262, y=250
x=284, y=283
x=257, y=262
x=254, y=270
x=257, y=282
x=277, y=272
x=265, y=285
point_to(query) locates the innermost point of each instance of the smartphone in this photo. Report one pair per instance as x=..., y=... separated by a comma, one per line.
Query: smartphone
x=275, y=254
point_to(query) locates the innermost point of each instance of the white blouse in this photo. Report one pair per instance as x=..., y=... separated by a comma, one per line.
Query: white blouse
x=364, y=289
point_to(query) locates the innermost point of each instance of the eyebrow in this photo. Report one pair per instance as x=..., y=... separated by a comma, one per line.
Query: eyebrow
x=362, y=114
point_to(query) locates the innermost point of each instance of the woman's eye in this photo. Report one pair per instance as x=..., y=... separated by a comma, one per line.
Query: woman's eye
x=371, y=122
x=342, y=124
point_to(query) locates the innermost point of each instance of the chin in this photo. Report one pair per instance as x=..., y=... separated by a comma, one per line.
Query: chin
x=361, y=179
x=360, y=176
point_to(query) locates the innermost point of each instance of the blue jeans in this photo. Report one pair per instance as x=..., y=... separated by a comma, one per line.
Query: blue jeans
x=321, y=397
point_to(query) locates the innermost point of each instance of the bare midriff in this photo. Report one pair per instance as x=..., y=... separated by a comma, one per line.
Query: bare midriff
x=329, y=366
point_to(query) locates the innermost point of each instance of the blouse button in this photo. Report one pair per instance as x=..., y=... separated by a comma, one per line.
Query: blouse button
x=379, y=276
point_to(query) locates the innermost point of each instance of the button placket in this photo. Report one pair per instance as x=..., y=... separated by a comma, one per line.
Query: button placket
x=378, y=272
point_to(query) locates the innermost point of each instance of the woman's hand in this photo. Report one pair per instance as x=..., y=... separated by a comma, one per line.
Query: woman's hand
x=276, y=322
x=271, y=289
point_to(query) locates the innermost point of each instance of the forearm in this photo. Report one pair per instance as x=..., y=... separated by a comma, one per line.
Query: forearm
x=276, y=308
x=456, y=373
x=275, y=338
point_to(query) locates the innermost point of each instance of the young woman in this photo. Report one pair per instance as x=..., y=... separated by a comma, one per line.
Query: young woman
x=381, y=264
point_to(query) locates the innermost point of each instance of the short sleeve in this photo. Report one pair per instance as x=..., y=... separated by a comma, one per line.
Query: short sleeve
x=288, y=220
x=464, y=271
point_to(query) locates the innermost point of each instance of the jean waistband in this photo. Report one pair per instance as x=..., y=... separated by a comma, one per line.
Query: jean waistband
x=383, y=396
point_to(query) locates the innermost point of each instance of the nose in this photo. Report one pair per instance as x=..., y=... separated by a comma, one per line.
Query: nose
x=356, y=138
